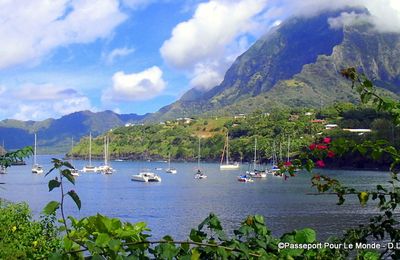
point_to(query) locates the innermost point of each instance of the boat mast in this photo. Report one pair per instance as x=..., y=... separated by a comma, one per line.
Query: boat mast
x=227, y=148
x=72, y=146
x=90, y=149
x=169, y=160
x=34, y=152
x=255, y=153
x=288, y=149
x=105, y=150
x=198, y=157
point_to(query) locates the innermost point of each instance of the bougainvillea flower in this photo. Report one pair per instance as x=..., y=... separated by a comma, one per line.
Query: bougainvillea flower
x=312, y=146
x=327, y=140
x=331, y=154
x=320, y=163
x=322, y=147
x=288, y=164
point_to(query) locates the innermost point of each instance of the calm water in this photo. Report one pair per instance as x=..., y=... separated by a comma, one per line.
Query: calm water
x=181, y=202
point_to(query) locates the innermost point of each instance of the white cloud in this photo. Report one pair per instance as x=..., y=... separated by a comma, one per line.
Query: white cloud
x=214, y=25
x=346, y=18
x=385, y=14
x=207, y=44
x=41, y=101
x=118, y=53
x=31, y=29
x=136, y=86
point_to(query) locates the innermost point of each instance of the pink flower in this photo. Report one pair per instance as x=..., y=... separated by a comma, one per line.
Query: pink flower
x=320, y=163
x=312, y=146
x=322, y=147
x=288, y=164
x=327, y=140
x=331, y=154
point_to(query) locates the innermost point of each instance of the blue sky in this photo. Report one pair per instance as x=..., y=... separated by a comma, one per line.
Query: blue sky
x=134, y=56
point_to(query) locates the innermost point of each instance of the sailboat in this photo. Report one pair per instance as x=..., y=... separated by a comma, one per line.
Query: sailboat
x=3, y=169
x=274, y=168
x=36, y=168
x=90, y=168
x=169, y=169
x=106, y=168
x=227, y=165
x=74, y=172
x=256, y=173
x=199, y=174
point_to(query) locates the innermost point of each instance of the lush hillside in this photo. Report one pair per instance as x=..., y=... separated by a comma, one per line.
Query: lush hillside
x=180, y=139
x=298, y=64
x=54, y=135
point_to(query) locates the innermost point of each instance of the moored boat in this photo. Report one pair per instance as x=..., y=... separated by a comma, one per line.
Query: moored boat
x=245, y=178
x=225, y=153
x=146, y=176
x=36, y=168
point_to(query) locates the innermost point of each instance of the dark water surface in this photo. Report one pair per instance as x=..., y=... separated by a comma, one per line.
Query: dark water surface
x=181, y=202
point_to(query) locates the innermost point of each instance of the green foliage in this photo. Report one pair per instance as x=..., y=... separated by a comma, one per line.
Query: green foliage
x=7, y=159
x=180, y=140
x=24, y=238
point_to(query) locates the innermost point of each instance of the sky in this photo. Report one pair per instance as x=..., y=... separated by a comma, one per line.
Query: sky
x=136, y=56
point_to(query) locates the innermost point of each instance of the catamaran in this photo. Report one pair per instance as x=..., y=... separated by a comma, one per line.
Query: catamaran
x=227, y=165
x=36, y=168
x=146, y=176
x=106, y=168
x=90, y=168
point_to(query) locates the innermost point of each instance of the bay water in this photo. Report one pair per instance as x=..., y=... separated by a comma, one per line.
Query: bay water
x=180, y=202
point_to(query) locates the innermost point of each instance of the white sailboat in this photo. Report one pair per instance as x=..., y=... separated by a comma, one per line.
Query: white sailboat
x=227, y=165
x=169, y=169
x=199, y=174
x=36, y=168
x=106, y=168
x=74, y=172
x=256, y=173
x=90, y=168
x=3, y=169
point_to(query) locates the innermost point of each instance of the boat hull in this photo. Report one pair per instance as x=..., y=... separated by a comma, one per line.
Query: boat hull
x=229, y=166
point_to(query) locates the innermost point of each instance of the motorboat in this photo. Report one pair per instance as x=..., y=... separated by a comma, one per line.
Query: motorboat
x=257, y=174
x=200, y=175
x=37, y=169
x=171, y=170
x=74, y=172
x=245, y=178
x=146, y=176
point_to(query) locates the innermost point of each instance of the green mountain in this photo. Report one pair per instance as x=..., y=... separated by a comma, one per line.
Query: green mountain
x=54, y=135
x=297, y=64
